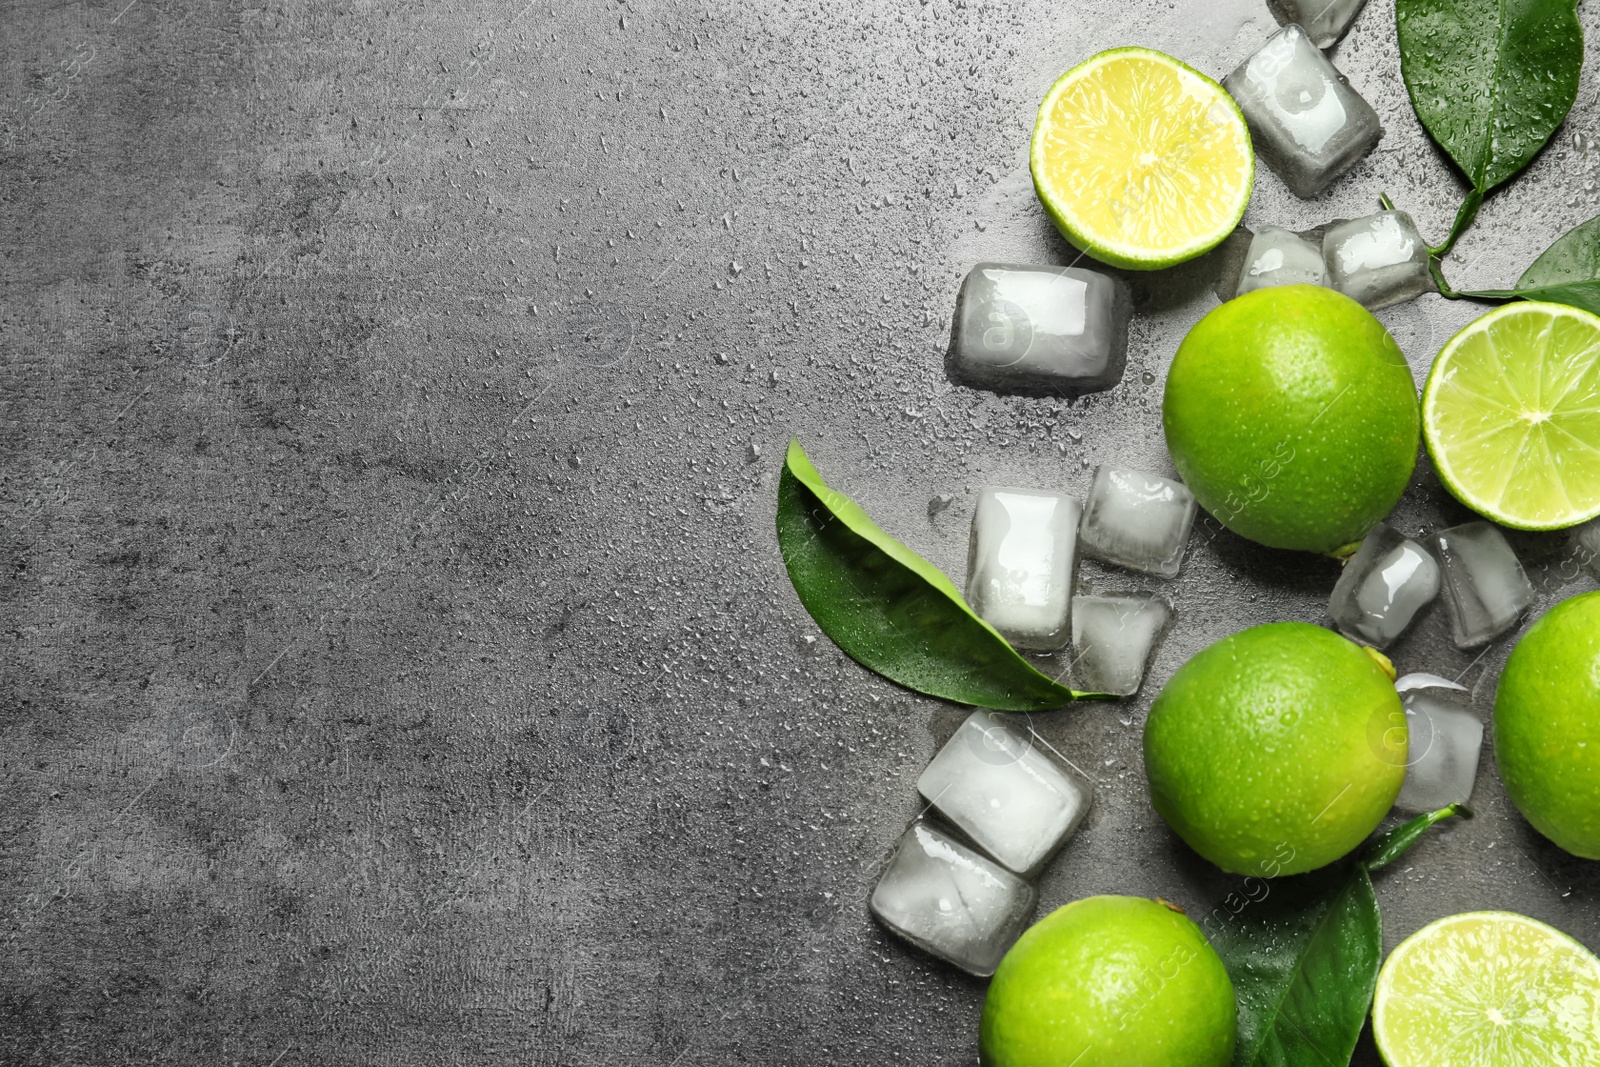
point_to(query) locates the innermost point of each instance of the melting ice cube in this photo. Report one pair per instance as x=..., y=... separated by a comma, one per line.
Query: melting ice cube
x=1325, y=21
x=1385, y=585
x=1045, y=329
x=1138, y=521
x=1005, y=791
x=1484, y=583
x=1307, y=123
x=1278, y=257
x=1586, y=546
x=946, y=899
x=1379, y=260
x=1021, y=562
x=1442, y=764
x=1113, y=638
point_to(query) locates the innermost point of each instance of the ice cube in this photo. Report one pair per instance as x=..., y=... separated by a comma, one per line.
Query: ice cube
x=1384, y=587
x=1484, y=583
x=1379, y=260
x=946, y=899
x=1325, y=21
x=1442, y=764
x=1039, y=329
x=1000, y=787
x=1586, y=546
x=1307, y=123
x=1113, y=638
x=1138, y=521
x=1278, y=257
x=1021, y=563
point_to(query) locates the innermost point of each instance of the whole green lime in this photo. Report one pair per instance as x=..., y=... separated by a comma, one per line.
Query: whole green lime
x=1547, y=725
x=1277, y=750
x=1110, y=982
x=1292, y=415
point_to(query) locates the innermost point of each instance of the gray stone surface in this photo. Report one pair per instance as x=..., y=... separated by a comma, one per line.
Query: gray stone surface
x=398, y=664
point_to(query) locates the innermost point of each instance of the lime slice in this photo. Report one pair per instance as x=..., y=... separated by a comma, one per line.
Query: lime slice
x=1511, y=414
x=1141, y=161
x=1488, y=989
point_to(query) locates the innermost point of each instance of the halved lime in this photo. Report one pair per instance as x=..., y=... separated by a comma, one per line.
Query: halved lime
x=1488, y=989
x=1141, y=161
x=1511, y=414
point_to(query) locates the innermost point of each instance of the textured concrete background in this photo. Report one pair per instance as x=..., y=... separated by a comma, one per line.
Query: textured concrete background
x=398, y=663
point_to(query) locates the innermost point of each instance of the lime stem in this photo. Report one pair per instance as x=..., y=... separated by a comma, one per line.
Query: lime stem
x=1444, y=287
x=1385, y=664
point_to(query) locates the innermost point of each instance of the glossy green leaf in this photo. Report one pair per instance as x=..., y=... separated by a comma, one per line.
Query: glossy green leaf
x=1304, y=962
x=1490, y=80
x=891, y=610
x=1567, y=273
x=1387, y=848
x=1304, y=953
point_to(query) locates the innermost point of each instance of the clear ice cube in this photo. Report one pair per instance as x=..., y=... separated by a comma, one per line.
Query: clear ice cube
x=1442, y=764
x=1021, y=563
x=1278, y=257
x=1484, y=583
x=1379, y=260
x=1325, y=21
x=1000, y=787
x=1138, y=521
x=1307, y=123
x=1383, y=588
x=1113, y=638
x=1039, y=329
x=946, y=899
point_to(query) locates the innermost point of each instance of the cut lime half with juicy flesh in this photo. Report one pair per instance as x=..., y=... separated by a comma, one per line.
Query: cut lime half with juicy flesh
x=1141, y=161
x=1488, y=989
x=1511, y=413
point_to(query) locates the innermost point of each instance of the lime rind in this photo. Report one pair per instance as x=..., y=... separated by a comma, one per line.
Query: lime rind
x=1192, y=133
x=1511, y=415
x=1488, y=989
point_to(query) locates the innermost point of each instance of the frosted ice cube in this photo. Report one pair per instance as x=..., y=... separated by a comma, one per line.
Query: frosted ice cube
x=1378, y=260
x=1001, y=788
x=1586, y=546
x=1384, y=587
x=946, y=899
x=1113, y=638
x=1484, y=584
x=1278, y=257
x=1307, y=123
x=1325, y=21
x=1138, y=521
x=1021, y=563
x=1442, y=765
x=1042, y=329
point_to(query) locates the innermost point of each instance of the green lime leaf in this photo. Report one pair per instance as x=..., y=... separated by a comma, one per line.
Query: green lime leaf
x=1304, y=962
x=1567, y=273
x=1388, y=847
x=1304, y=953
x=891, y=610
x=1490, y=80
